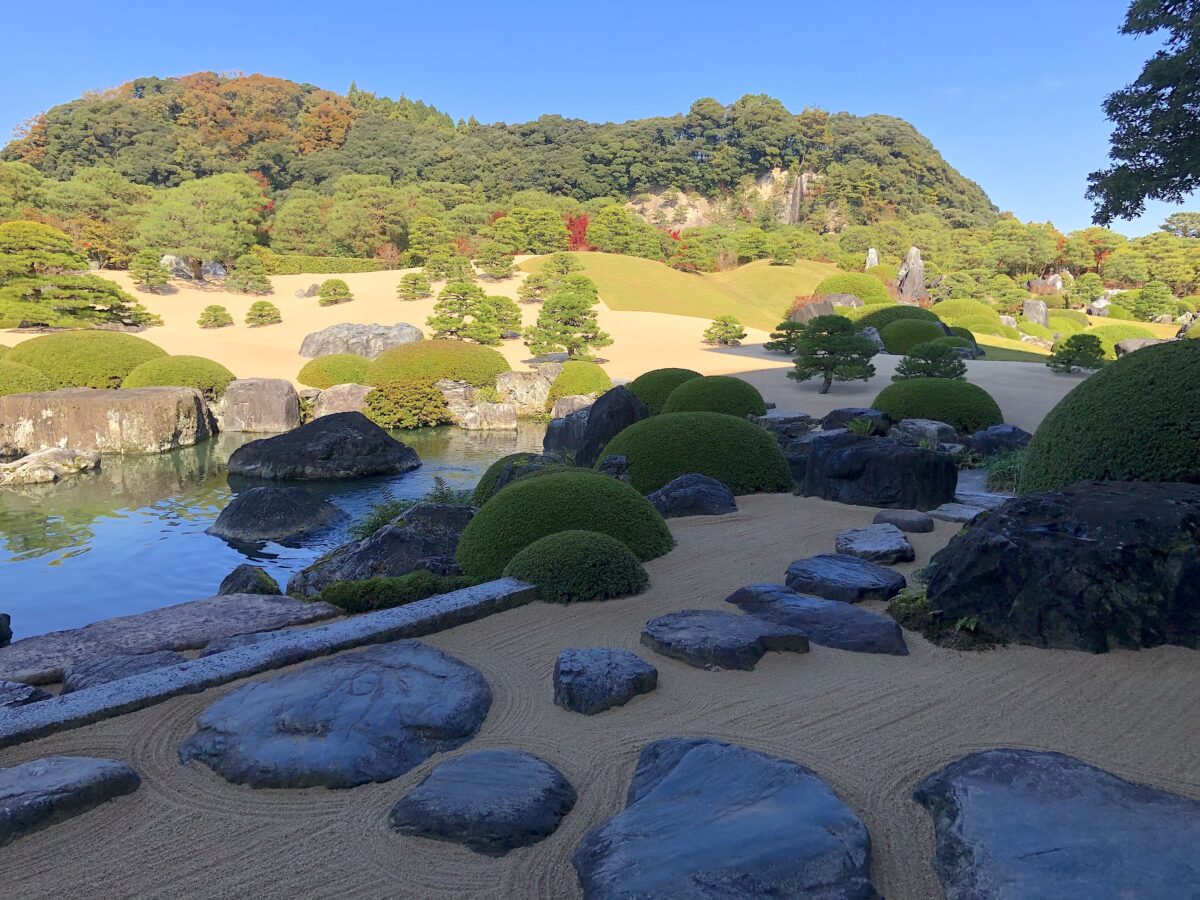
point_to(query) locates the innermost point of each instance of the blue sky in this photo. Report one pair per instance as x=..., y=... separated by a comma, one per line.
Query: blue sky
x=1010, y=93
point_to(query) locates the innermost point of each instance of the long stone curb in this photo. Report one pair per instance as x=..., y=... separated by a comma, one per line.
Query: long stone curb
x=274, y=651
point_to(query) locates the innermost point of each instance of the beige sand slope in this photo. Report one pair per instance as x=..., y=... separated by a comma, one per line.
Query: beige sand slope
x=872, y=726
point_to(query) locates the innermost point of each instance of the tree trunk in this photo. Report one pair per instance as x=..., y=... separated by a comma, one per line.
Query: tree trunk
x=195, y=265
x=826, y=385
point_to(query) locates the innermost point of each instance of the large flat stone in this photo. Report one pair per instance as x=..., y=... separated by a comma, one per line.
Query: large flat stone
x=693, y=495
x=712, y=639
x=959, y=513
x=113, y=668
x=836, y=576
x=37, y=794
x=594, y=679
x=829, y=623
x=881, y=543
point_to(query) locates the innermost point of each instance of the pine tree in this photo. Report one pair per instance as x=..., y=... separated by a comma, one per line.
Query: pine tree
x=832, y=348
x=567, y=322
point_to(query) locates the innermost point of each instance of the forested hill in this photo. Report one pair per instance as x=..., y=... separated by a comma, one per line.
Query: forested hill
x=163, y=131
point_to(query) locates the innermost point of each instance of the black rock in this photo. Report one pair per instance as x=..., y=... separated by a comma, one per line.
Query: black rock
x=829, y=623
x=613, y=412
x=5, y=629
x=1024, y=823
x=1095, y=566
x=489, y=800
x=909, y=521
x=342, y=721
x=869, y=471
x=839, y=418
x=342, y=445
x=564, y=436
x=998, y=439
x=248, y=579
x=16, y=693
x=104, y=669
x=693, y=495
x=845, y=578
x=272, y=514
x=705, y=819
x=615, y=466
x=37, y=794
x=884, y=544
x=592, y=680
x=711, y=639
x=797, y=451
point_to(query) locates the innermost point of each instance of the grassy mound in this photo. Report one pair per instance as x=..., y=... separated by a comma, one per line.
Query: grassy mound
x=953, y=311
x=578, y=566
x=434, y=360
x=578, y=377
x=978, y=325
x=4, y=350
x=879, y=317
x=98, y=359
x=1111, y=335
x=336, y=368
x=18, y=379
x=1033, y=329
x=1137, y=419
x=868, y=289
x=962, y=405
x=1065, y=327
x=900, y=337
x=208, y=377
x=653, y=387
x=719, y=394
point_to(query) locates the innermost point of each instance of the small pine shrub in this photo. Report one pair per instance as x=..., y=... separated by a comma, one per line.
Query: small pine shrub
x=263, y=312
x=716, y=393
x=653, y=387
x=98, y=359
x=147, y=271
x=432, y=361
x=869, y=290
x=578, y=566
x=335, y=368
x=371, y=594
x=725, y=331
x=785, y=338
x=249, y=276
x=932, y=360
x=208, y=377
x=1079, y=351
x=18, y=379
x=901, y=337
x=576, y=378
x=214, y=316
x=407, y=404
x=965, y=407
x=413, y=286
x=1111, y=335
x=333, y=291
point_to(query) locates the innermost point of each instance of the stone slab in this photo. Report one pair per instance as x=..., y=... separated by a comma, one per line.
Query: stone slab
x=37, y=794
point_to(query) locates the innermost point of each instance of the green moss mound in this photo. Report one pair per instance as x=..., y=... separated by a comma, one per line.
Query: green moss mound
x=577, y=567
x=435, y=360
x=1075, y=315
x=561, y=501
x=900, y=337
x=336, y=368
x=653, y=387
x=208, y=377
x=98, y=359
x=964, y=333
x=371, y=594
x=1065, y=327
x=1120, y=313
x=1033, y=329
x=955, y=341
x=870, y=291
x=731, y=450
x=952, y=311
x=1111, y=335
x=578, y=377
x=964, y=406
x=992, y=326
x=487, y=484
x=879, y=317
x=719, y=394
x=1137, y=419
x=18, y=379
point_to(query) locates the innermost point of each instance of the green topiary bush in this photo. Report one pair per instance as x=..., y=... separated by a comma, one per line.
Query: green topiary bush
x=562, y=501
x=18, y=379
x=731, y=450
x=1078, y=351
x=487, y=484
x=1137, y=419
x=578, y=377
x=578, y=566
x=434, y=360
x=932, y=360
x=995, y=327
x=965, y=407
x=725, y=331
x=964, y=333
x=98, y=359
x=208, y=377
x=214, y=316
x=870, y=291
x=336, y=368
x=1111, y=335
x=901, y=337
x=1033, y=329
x=719, y=394
x=406, y=404
x=249, y=275
x=371, y=594
x=263, y=312
x=954, y=311
x=333, y=291
x=653, y=387
x=413, y=286
x=955, y=341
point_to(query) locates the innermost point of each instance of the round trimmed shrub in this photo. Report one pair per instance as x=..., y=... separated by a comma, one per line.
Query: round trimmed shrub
x=18, y=379
x=208, y=377
x=578, y=377
x=333, y=291
x=578, y=566
x=487, y=484
x=1120, y=313
x=900, y=337
x=406, y=404
x=965, y=407
x=1065, y=327
x=953, y=311
x=562, y=501
x=1111, y=335
x=1033, y=329
x=731, y=450
x=653, y=387
x=981, y=325
x=869, y=290
x=98, y=359
x=434, y=360
x=1136, y=419
x=336, y=368
x=1075, y=315
x=964, y=333
x=955, y=341
x=719, y=394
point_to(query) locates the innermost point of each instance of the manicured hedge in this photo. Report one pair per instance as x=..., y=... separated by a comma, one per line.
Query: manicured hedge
x=1111, y=335
x=578, y=377
x=435, y=360
x=992, y=326
x=209, y=377
x=653, y=387
x=731, y=450
x=562, y=501
x=578, y=566
x=1136, y=419
x=371, y=594
x=718, y=394
x=900, y=337
x=289, y=264
x=952, y=311
x=99, y=359
x=18, y=379
x=336, y=368
x=879, y=317
x=870, y=291
x=962, y=405
x=955, y=341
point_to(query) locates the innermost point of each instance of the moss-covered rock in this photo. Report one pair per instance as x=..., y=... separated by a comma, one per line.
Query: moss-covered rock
x=577, y=566
x=371, y=594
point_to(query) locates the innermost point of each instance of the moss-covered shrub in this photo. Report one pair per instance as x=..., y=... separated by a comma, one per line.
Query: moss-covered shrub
x=964, y=406
x=487, y=484
x=1137, y=419
x=18, y=379
x=249, y=275
x=900, y=337
x=953, y=311
x=653, y=387
x=336, y=368
x=578, y=566
x=964, y=333
x=333, y=291
x=718, y=394
x=435, y=360
x=563, y=501
x=1111, y=335
x=870, y=291
x=578, y=377
x=371, y=594
x=98, y=359
x=298, y=264
x=406, y=404
x=208, y=377
x=1065, y=327
x=981, y=325
x=1033, y=329
x=955, y=341
x=731, y=450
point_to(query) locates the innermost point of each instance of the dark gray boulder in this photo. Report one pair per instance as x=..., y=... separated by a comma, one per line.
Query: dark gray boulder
x=869, y=471
x=715, y=821
x=565, y=436
x=929, y=432
x=490, y=800
x=835, y=576
x=999, y=439
x=798, y=450
x=829, y=623
x=5, y=629
x=343, y=721
x=594, y=679
x=885, y=544
x=272, y=514
x=614, y=465
x=693, y=495
x=1025, y=823
x=104, y=669
x=248, y=579
x=17, y=693
x=907, y=520
x=613, y=412
x=40, y=793
x=711, y=639
x=1095, y=566
x=342, y=445
x=838, y=418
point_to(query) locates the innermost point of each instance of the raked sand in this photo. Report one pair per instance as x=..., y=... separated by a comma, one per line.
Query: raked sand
x=872, y=726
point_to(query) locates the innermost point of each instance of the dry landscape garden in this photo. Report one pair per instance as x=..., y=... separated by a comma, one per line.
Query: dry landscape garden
x=729, y=504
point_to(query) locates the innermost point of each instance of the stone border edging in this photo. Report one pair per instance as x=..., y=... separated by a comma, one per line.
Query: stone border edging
x=275, y=650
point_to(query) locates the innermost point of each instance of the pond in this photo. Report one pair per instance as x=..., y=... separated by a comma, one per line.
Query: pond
x=131, y=536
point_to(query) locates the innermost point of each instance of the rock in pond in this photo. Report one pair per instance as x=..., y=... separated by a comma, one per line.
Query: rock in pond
x=104, y=669
x=885, y=544
x=564, y=406
x=594, y=679
x=490, y=800
x=711, y=639
x=343, y=445
x=706, y=819
x=259, y=405
x=614, y=411
x=693, y=495
x=361, y=340
x=248, y=579
x=872, y=471
x=836, y=576
x=828, y=623
x=47, y=466
x=1025, y=823
x=16, y=693
x=37, y=794
x=272, y=514
x=344, y=721
x=907, y=520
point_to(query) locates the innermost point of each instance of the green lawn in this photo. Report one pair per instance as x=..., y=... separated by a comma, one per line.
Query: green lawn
x=999, y=349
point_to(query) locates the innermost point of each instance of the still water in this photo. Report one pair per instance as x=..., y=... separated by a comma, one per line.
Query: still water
x=130, y=537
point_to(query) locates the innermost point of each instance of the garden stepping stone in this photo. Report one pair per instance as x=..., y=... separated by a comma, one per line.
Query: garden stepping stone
x=489, y=800
x=910, y=521
x=956, y=512
x=16, y=693
x=37, y=794
x=713, y=820
x=712, y=639
x=343, y=721
x=92, y=672
x=1026, y=823
x=836, y=576
x=981, y=499
x=594, y=679
x=877, y=543
x=829, y=623
x=693, y=495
